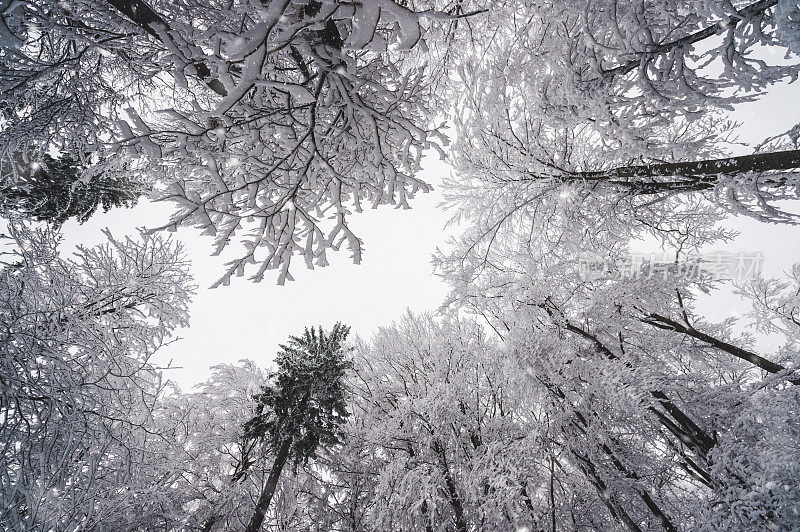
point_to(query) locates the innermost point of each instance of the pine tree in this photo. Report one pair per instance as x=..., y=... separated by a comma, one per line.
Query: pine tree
x=50, y=190
x=303, y=408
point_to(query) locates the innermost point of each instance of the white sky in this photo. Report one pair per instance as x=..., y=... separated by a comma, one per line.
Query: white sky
x=778, y=243
x=247, y=320
x=250, y=320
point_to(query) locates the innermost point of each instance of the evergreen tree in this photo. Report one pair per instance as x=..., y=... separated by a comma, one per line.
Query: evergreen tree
x=303, y=408
x=51, y=190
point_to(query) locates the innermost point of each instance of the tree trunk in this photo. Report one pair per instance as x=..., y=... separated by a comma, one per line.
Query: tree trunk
x=452, y=491
x=269, y=488
x=551, y=493
x=426, y=517
x=689, y=176
x=583, y=426
x=617, y=511
x=683, y=427
x=662, y=322
x=745, y=13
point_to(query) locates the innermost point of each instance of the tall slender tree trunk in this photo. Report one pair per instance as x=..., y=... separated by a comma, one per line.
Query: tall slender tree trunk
x=452, y=491
x=269, y=488
x=663, y=322
x=614, y=508
x=551, y=493
x=426, y=517
x=748, y=12
x=689, y=176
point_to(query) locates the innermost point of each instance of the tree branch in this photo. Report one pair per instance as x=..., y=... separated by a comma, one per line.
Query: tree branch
x=687, y=431
x=143, y=16
x=754, y=9
x=662, y=322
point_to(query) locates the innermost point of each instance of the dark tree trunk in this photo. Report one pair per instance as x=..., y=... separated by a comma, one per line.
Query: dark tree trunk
x=426, y=517
x=452, y=491
x=583, y=426
x=551, y=493
x=617, y=512
x=269, y=488
x=683, y=426
x=662, y=322
x=755, y=9
x=689, y=176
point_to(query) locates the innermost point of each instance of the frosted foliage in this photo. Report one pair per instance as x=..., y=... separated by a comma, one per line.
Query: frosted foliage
x=212, y=473
x=208, y=450
x=587, y=98
x=585, y=417
x=762, y=447
x=643, y=61
x=425, y=412
x=288, y=181
x=787, y=18
x=776, y=304
x=267, y=124
x=439, y=419
x=79, y=397
x=674, y=419
x=219, y=473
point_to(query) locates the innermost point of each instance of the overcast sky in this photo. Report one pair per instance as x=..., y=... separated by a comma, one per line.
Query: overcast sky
x=247, y=320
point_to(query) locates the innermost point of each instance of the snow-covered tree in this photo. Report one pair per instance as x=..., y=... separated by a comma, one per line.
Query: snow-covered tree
x=637, y=383
x=267, y=123
x=223, y=459
x=301, y=410
x=619, y=108
x=582, y=127
x=440, y=437
x=210, y=455
x=80, y=397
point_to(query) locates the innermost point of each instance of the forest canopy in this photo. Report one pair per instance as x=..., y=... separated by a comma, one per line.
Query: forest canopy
x=545, y=394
